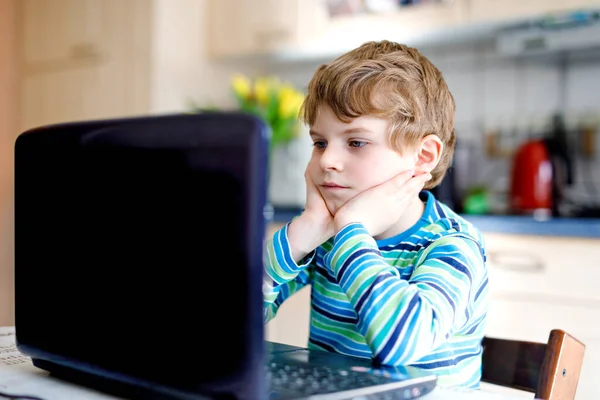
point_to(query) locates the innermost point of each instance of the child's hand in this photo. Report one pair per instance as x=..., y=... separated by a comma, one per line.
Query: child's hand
x=381, y=206
x=314, y=226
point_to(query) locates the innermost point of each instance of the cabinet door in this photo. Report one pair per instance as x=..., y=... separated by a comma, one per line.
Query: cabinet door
x=94, y=92
x=54, y=91
x=558, y=269
x=56, y=31
x=243, y=28
x=414, y=24
x=498, y=10
x=59, y=97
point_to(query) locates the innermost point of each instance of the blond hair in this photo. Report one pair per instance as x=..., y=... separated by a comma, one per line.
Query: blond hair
x=393, y=81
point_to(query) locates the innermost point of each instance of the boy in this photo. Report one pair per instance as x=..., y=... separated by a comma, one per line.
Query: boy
x=396, y=276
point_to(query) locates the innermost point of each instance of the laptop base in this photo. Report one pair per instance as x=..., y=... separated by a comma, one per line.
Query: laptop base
x=136, y=390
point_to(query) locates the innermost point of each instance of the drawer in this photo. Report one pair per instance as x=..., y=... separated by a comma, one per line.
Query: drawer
x=551, y=269
x=513, y=318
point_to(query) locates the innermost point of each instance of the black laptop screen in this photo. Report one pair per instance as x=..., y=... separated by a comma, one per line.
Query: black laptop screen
x=134, y=240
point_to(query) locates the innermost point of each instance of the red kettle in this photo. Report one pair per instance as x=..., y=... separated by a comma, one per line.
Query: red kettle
x=541, y=170
x=531, y=178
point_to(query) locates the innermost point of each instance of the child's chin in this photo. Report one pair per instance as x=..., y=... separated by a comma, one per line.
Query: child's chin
x=333, y=206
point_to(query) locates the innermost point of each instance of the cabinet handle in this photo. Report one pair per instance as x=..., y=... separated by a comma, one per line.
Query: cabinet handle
x=516, y=262
x=85, y=51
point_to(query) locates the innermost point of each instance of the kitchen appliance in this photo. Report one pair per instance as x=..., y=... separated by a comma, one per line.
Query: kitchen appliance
x=541, y=170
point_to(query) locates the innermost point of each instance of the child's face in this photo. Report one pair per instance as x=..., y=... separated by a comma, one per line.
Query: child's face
x=349, y=158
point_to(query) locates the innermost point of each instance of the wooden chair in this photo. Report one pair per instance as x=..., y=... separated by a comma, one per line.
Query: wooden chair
x=550, y=370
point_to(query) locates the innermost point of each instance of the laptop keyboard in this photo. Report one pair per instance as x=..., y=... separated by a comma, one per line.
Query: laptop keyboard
x=289, y=381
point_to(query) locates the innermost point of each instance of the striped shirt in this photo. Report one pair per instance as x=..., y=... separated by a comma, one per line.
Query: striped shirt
x=418, y=298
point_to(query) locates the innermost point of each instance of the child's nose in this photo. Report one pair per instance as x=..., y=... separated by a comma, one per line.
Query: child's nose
x=331, y=159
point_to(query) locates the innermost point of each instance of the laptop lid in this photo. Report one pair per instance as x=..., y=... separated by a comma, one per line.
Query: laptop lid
x=138, y=253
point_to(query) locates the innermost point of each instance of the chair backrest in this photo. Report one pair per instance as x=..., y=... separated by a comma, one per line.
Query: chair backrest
x=550, y=370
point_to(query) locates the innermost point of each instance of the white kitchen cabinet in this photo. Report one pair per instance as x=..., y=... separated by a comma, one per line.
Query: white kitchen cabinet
x=56, y=32
x=58, y=97
x=500, y=10
x=83, y=59
x=414, y=25
x=303, y=28
x=540, y=283
x=558, y=269
x=246, y=28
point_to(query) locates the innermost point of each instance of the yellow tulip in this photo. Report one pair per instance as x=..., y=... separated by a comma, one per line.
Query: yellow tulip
x=241, y=86
x=266, y=92
x=290, y=102
x=286, y=90
x=262, y=90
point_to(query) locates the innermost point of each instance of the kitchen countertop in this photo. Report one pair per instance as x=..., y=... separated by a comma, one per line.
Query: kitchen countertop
x=524, y=225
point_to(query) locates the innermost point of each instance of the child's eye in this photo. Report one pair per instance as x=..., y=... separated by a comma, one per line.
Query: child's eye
x=357, y=143
x=319, y=144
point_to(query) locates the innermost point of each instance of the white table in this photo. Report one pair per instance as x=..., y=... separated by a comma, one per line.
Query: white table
x=19, y=376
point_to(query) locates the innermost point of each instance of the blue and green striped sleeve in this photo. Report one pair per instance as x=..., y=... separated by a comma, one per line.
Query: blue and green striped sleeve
x=404, y=320
x=283, y=276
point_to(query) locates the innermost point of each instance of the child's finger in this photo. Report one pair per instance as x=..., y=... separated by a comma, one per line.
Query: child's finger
x=421, y=179
x=417, y=182
x=406, y=177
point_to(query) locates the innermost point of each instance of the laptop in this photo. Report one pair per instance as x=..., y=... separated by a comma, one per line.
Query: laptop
x=138, y=265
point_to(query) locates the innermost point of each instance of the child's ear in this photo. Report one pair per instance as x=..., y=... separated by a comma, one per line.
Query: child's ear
x=428, y=154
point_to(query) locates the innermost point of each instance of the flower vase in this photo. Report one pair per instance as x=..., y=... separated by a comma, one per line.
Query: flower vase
x=286, y=185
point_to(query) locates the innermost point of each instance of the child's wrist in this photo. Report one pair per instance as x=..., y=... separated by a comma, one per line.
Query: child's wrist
x=340, y=221
x=301, y=235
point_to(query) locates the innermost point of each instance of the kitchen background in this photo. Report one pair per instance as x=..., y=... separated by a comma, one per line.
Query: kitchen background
x=512, y=65
x=503, y=101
